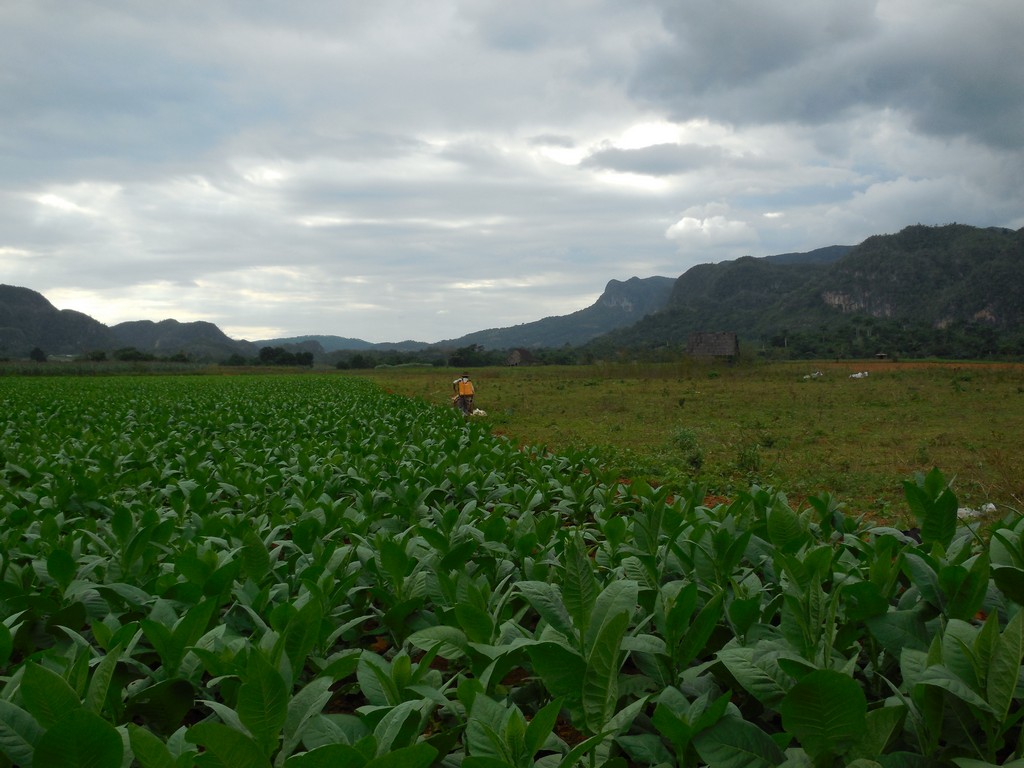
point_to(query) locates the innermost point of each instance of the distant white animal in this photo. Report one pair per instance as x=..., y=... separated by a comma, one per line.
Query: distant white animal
x=967, y=513
x=861, y=375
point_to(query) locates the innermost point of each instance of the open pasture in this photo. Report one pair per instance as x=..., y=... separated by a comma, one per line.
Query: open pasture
x=303, y=572
x=772, y=424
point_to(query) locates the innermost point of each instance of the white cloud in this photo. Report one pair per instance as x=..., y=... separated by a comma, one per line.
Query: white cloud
x=711, y=232
x=649, y=134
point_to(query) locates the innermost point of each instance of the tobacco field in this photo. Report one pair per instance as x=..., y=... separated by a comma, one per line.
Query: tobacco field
x=303, y=571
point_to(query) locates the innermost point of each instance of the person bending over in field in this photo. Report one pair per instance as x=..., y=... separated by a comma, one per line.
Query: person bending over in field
x=463, y=391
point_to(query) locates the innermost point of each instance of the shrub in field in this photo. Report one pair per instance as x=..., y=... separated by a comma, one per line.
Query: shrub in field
x=303, y=571
x=688, y=444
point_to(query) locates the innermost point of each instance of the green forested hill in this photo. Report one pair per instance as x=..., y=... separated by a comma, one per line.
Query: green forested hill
x=28, y=320
x=198, y=339
x=953, y=290
x=621, y=303
x=940, y=275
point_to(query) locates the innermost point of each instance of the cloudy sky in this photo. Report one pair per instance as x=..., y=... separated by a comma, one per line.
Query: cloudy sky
x=391, y=170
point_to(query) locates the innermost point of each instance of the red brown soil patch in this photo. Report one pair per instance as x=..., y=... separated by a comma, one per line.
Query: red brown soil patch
x=515, y=677
x=567, y=733
x=714, y=501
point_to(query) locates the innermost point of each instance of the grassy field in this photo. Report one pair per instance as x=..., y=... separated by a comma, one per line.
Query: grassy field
x=771, y=424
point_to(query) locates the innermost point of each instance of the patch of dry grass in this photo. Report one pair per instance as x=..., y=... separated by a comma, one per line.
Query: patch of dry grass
x=731, y=426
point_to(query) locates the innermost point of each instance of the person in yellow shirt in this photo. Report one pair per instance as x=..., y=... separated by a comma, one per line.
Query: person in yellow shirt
x=463, y=390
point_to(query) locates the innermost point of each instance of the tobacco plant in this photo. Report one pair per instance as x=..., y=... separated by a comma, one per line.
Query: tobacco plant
x=303, y=571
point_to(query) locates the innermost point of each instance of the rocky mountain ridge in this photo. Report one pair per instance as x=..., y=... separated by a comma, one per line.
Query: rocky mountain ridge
x=928, y=277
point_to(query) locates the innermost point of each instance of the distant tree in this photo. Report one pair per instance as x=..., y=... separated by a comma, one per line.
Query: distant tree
x=466, y=356
x=271, y=355
x=475, y=355
x=131, y=355
x=96, y=356
x=565, y=355
x=235, y=359
x=281, y=356
x=38, y=355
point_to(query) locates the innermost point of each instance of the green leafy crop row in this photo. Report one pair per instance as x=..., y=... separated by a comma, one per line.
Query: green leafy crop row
x=304, y=571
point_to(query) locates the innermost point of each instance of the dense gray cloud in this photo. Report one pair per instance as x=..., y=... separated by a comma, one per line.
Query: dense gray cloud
x=953, y=68
x=391, y=170
x=656, y=160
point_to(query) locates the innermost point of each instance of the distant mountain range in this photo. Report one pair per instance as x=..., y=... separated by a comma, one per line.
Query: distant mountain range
x=340, y=343
x=919, y=281
x=621, y=304
x=28, y=320
x=935, y=277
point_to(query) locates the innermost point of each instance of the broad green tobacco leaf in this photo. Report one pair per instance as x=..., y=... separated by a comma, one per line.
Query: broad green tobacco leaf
x=1004, y=667
x=47, y=695
x=758, y=671
x=303, y=707
x=935, y=507
x=882, y=726
x=579, y=585
x=149, y=750
x=698, y=634
x=162, y=706
x=560, y=669
x=541, y=725
x=401, y=725
x=1005, y=548
x=375, y=681
x=600, y=679
x=941, y=677
x=680, y=608
x=475, y=761
x=416, y=756
x=451, y=641
x=61, y=567
x=963, y=589
x=736, y=743
x=82, y=739
x=263, y=702
x=19, y=733
x=826, y=711
x=546, y=599
x=897, y=630
x=122, y=524
x=459, y=555
x=487, y=731
x=96, y=696
x=478, y=624
x=863, y=600
x=1009, y=580
x=617, y=597
x=303, y=633
x=255, y=557
x=328, y=756
x=225, y=747
x=785, y=529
